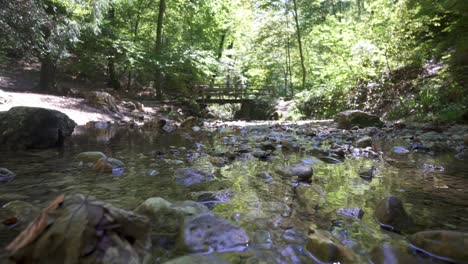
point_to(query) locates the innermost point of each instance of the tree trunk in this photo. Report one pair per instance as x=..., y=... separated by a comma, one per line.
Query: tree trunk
x=220, y=54
x=135, y=34
x=288, y=56
x=359, y=6
x=299, y=41
x=47, y=81
x=158, y=47
x=113, y=81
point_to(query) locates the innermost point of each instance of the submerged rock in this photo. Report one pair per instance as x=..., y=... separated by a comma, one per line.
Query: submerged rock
x=351, y=118
x=330, y=160
x=6, y=175
x=388, y=254
x=368, y=174
x=211, y=198
x=85, y=230
x=33, y=127
x=108, y=165
x=197, y=259
x=302, y=171
x=262, y=239
x=23, y=211
x=443, y=244
x=400, y=150
x=391, y=214
x=190, y=176
x=310, y=197
x=323, y=247
x=265, y=176
x=355, y=212
x=169, y=217
x=208, y=232
x=364, y=142
x=90, y=156
x=432, y=136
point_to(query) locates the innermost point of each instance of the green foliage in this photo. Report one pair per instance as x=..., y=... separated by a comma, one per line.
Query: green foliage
x=354, y=51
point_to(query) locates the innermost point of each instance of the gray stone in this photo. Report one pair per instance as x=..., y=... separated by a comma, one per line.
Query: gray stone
x=302, y=171
x=296, y=254
x=169, y=217
x=391, y=214
x=33, y=127
x=432, y=136
x=443, y=244
x=190, y=176
x=90, y=156
x=351, y=118
x=322, y=245
x=23, y=211
x=208, y=232
x=355, y=212
x=262, y=239
x=400, y=150
x=364, y=142
x=388, y=254
x=197, y=259
x=6, y=175
x=310, y=197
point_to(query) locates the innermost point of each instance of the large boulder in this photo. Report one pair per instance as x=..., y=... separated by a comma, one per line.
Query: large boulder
x=352, y=118
x=32, y=127
x=443, y=244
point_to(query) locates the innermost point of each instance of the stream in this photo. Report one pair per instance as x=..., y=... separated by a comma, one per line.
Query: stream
x=249, y=187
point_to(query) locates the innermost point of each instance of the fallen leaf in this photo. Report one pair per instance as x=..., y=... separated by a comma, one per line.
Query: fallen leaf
x=35, y=228
x=102, y=165
x=10, y=221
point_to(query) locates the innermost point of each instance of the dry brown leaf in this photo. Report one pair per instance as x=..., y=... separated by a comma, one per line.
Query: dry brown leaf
x=35, y=228
x=102, y=165
x=10, y=221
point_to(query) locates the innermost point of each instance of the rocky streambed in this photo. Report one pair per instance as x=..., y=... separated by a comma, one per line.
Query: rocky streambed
x=243, y=192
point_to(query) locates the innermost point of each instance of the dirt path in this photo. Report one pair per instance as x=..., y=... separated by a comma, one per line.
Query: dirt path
x=75, y=108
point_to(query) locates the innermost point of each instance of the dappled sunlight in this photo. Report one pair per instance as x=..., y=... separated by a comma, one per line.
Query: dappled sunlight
x=74, y=108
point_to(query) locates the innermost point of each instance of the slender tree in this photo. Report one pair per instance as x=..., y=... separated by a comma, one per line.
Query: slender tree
x=299, y=42
x=158, y=47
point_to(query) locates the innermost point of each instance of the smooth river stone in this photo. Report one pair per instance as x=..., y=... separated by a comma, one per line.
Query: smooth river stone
x=447, y=245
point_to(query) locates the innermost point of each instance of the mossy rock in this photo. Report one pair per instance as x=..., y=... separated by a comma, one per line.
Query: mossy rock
x=352, y=118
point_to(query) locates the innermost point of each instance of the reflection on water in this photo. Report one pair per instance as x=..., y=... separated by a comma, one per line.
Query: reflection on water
x=432, y=188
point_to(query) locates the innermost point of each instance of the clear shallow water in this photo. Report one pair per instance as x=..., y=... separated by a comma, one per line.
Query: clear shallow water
x=435, y=198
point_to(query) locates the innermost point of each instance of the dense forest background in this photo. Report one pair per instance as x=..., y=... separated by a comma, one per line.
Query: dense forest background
x=400, y=58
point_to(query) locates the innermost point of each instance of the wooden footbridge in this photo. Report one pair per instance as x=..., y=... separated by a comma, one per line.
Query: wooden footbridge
x=224, y=94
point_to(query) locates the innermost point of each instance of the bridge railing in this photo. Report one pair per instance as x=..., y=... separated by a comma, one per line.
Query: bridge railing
x=230, y=92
